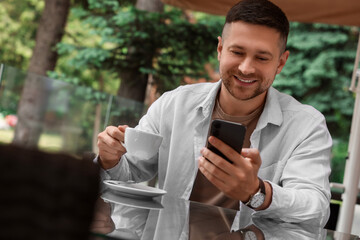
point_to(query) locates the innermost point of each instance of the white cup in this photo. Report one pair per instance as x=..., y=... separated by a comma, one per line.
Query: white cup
x=141, y=144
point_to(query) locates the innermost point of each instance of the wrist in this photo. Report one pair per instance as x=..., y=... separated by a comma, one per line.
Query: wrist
x=252, y=233
x=268, y=198
x=106, y=164
x=257, y=199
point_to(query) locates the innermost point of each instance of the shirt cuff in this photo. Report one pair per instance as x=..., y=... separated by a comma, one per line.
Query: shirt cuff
x=106, y=174
x=274, y=204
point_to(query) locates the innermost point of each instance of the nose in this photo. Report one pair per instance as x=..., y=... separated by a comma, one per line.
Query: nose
x=246, y=66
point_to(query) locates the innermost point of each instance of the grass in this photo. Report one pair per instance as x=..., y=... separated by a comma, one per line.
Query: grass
x=48, y=142
x=6, y=136
x=336, y=201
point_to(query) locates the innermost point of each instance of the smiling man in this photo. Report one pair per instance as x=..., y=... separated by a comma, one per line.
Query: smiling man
x=283, y=169
x=247, y=66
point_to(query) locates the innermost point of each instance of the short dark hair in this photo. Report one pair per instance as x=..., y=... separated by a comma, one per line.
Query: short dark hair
x=260, y=12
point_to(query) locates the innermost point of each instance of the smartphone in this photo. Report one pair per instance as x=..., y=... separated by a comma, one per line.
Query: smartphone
x=230, y=133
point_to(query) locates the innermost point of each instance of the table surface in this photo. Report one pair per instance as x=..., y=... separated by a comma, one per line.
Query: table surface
x=120, y=217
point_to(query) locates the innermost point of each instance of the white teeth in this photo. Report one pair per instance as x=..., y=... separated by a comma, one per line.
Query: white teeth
x=245, y=81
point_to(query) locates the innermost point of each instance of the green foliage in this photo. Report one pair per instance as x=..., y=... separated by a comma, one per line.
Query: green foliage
x=12, y=82
x=318, y=72
x=104, y=38
x=18, y=24
x=338, y=161
x=163, y=44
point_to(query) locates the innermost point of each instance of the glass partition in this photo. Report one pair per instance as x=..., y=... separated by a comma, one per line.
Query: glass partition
x=53, y=115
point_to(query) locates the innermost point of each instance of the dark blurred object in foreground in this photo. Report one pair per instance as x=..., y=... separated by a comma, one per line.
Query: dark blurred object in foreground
x=44, y=195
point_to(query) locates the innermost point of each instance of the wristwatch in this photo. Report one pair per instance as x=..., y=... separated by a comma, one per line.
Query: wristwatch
x=251, y=232
x=258, y=198
x=250, y=235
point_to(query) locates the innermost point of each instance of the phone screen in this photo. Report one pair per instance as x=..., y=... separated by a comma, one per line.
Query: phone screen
x=230, y=133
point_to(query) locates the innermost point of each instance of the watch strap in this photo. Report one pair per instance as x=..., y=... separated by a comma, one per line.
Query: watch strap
x=260, y=190
x=262, y=185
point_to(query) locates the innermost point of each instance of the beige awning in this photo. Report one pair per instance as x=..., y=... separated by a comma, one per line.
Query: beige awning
x=340, y=12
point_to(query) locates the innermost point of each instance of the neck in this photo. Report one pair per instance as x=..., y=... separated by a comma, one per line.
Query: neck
x=236, y=107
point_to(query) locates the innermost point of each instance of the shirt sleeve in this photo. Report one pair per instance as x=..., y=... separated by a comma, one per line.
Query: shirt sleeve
x=303, y=193
x=131, y=168
x=118, y=172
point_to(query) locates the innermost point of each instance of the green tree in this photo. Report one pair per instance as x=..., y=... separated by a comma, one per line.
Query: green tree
x=18, y=24
x=318, y=71
x=164, y=44
x=104, y=39
x=35, y=94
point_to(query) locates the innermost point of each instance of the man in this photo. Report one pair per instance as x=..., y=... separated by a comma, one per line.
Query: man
x=283, y=169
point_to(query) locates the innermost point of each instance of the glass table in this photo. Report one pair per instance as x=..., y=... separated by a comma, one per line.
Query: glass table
x=120, y=217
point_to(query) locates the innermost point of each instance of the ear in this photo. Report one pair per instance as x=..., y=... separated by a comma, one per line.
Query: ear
x=219, y=48
x=282, y=61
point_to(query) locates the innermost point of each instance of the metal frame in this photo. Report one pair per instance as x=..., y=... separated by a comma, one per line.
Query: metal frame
x=1, y=72
x=352, y=170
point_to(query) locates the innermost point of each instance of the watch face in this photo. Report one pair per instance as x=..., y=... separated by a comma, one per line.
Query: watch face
x=250, y=235
x=257, y=200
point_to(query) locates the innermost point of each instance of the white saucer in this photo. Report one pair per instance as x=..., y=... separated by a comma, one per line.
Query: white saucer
x=134, y=190
x=131, y=202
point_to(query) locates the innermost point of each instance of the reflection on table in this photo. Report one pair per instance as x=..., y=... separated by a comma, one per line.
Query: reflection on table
x=119, y=217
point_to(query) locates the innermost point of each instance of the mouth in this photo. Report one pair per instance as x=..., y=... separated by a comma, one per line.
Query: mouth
x=246, y=81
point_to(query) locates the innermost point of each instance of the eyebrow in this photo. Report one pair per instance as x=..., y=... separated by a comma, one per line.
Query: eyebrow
x=258, y=52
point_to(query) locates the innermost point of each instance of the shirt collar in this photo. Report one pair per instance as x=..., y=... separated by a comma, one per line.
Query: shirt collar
x=272, y=111
x=271, y=114
x=208, y=103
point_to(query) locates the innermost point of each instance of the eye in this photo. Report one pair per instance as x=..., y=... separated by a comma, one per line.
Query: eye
x=237, y=53
x=263, y=59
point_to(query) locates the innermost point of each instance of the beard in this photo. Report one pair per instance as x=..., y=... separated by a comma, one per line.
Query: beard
x=246, y=93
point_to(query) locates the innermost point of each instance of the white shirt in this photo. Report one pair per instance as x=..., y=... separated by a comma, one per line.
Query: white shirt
x=293, y=140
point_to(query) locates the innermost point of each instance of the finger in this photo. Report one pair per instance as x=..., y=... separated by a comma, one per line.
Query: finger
x=216, y=160
x=214, y=174
x=115, y=133
x=109, y=148
x=122, y=128
x=110, y=144
x=218, y=178
x=111, y=137
x=229, y=152
x=102, y=226
x=251, y=155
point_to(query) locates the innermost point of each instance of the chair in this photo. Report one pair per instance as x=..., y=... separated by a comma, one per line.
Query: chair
x=44, y=195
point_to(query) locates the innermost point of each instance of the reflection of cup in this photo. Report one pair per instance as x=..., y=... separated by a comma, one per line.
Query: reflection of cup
x=141, y=144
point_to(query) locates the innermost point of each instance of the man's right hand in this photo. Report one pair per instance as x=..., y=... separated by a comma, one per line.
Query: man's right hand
x=110, y=147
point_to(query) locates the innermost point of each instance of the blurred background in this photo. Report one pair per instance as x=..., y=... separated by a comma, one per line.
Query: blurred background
x=105, y=62
x=70, y=68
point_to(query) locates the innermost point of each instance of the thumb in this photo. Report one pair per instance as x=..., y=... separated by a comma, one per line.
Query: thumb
x=252, y=154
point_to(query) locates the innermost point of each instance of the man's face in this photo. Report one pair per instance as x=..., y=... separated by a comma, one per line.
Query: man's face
x=250, y=57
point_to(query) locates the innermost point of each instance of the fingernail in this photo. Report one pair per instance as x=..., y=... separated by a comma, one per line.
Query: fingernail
x=245, y=151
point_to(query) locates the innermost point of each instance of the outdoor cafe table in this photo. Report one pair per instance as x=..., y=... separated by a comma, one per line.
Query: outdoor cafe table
x=165, y=217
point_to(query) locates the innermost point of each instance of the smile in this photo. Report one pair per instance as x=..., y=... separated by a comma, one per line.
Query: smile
x=244, y=81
